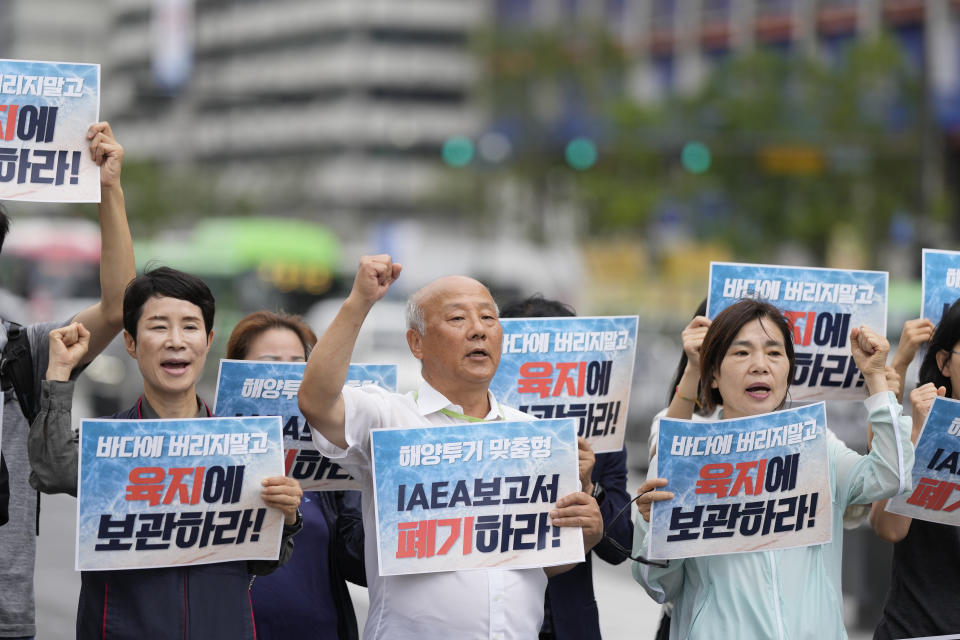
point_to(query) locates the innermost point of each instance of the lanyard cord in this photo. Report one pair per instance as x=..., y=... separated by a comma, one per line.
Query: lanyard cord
x=459, y=416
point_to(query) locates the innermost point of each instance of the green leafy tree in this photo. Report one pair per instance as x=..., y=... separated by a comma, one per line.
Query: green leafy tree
x=797, y=146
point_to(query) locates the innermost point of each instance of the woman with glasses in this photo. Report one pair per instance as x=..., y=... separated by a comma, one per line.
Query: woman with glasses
x=570, y=607
x=922, y=600
x=746, y=362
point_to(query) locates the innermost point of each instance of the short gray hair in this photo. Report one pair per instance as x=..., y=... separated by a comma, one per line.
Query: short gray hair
x=415, y=318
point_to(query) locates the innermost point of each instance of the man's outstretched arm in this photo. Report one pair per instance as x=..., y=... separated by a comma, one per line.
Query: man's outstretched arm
x=326, y=372
x=117, y=268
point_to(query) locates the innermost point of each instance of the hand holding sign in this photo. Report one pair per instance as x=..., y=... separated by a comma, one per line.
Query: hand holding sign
x=68, y=345
x=692, y=337
x=106, y=152
x=922, y=399
x=869, y=351
x=915, y=333
x=647, y=494
x=580, y=510
x=585, y=462
x=282, y=493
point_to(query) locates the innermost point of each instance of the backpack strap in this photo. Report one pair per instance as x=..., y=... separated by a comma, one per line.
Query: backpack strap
x=16, y=370
x=4, y=492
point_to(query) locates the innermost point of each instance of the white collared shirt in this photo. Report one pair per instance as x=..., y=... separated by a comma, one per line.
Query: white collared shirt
x=491, y=604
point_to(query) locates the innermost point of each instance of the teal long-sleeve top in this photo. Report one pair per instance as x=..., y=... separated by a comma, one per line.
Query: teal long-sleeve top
x=787, y=594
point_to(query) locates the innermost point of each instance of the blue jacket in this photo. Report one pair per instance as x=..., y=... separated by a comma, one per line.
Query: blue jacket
x=198, y=602
x=572, y=605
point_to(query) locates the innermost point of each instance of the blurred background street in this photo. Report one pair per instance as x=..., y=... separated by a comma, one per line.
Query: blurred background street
x=601, y=152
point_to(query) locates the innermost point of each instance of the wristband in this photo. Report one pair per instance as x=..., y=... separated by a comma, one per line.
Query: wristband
x=676, y=391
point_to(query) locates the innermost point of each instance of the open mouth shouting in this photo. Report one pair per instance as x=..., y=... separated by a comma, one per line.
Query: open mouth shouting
x=478, y=354
x=175, y=366
x=759, y=391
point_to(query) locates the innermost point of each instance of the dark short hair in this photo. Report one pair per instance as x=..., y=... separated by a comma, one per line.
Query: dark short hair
x=164, y=282
x=536, y=306
x=945, y=336
x=4, y=224
x=721, y=334
x=253, y=325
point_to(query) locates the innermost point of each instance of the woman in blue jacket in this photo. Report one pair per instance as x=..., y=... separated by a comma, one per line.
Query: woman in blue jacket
x=746, y=364
x=306, y=597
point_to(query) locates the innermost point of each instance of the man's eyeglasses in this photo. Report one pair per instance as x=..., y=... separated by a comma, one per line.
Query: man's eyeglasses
x=627, y=553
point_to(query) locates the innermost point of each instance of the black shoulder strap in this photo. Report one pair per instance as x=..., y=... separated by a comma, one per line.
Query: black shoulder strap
x=16, y=368
x=4, y=492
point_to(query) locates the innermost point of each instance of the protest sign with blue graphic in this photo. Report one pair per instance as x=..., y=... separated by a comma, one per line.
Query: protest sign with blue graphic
x=745, y=484
x=941, y=282
x=936, y=469
x=261, y=388
x=45, y=111
x=822, y=306
x=570, y=368
x=162, y=493
x=474, y=496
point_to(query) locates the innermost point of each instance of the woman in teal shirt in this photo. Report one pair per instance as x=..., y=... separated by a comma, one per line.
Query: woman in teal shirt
x=746, y=362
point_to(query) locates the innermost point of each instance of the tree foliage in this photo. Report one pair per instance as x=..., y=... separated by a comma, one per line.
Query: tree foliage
x=799, y=144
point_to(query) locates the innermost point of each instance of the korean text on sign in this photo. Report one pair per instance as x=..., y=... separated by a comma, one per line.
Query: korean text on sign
x=473, y=495
x=936, y=470
x=822, y=306
x=940, y=283
x=744, y=484
x=578, y=368
x=45, y=111
x=248, y=388
x=158, y=493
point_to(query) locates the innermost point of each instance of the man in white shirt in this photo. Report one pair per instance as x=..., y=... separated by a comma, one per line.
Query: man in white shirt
x=455, y=333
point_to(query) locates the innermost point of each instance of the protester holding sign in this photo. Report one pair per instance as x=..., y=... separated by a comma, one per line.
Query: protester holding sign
x=455, y=333
x=307, y=596
x=915, y=333
x=821, y=305
x=746, y=364
x=926, y=557
x=570, y=609
x=167, y=317
x=103, y=320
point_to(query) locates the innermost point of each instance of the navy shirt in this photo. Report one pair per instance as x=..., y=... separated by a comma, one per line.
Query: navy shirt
x=923, y=587
x=307, y=597
x=296, y=599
